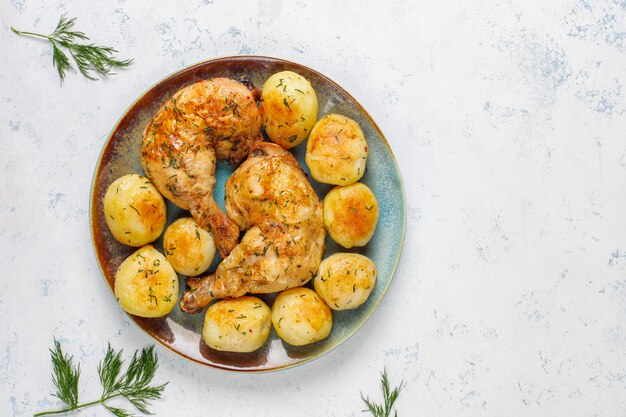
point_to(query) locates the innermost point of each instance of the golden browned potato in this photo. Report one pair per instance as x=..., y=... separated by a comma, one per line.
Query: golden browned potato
x=134, y=210
x=146, y=285
x=301, y=317
x=288, y=108
x=188, y=247
x=351, y=214
x=336, y=151
x=237, y=325
x=345, y=280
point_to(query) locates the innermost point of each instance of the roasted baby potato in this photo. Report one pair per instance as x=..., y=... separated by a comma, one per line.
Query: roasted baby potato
x=301, y=317
x=288, y=108
x=134, y=210
x=336, y=151
x=189, y=248
x=237, y=325
x=146, y=285
x=351, y=214
x=345, y=280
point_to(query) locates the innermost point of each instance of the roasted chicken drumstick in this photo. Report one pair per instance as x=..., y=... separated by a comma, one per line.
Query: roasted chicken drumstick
x=270, y=196
x=209, y=120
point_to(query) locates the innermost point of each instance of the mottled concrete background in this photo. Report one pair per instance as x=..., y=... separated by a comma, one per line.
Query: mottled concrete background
x=508, y=122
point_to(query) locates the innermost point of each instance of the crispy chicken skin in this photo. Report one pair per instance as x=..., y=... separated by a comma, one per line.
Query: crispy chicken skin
x=209, y=120
x=270, y=196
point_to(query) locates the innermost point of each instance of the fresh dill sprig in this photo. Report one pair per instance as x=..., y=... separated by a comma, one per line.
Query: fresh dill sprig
x=133, y=385
x=389, y=397
x=65, y=376
x=89, y=58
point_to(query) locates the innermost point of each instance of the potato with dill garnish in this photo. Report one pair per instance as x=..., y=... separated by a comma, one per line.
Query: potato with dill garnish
x=336, y=151
x=345, y=280
x=146, y=285
x=134, y=210
x=351, y=214
x=237, y=325
x=288, y=108
x=301, y=317
x=188, y=247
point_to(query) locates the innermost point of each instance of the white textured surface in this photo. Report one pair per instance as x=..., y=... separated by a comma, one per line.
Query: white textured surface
x=508, y=121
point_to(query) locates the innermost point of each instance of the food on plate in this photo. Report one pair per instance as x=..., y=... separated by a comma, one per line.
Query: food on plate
x=134, y=210
x=351, y=214
x=345, y=280
x=146, y=285
x=336, y=151
x=189, y=248
x=215, y=118
x=301, y=317
x=237, y=325
x=288, y=108
x=270, y=197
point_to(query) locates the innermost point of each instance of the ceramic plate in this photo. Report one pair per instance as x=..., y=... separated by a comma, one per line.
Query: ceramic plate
x=181, y=332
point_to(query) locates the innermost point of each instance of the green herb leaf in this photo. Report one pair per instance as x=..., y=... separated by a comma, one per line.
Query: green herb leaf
x=65, y=376
x=109, y=371
x=118, y=412
x=389, y=397
x=60, y=61
x=89, y=58
x=134, y=385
